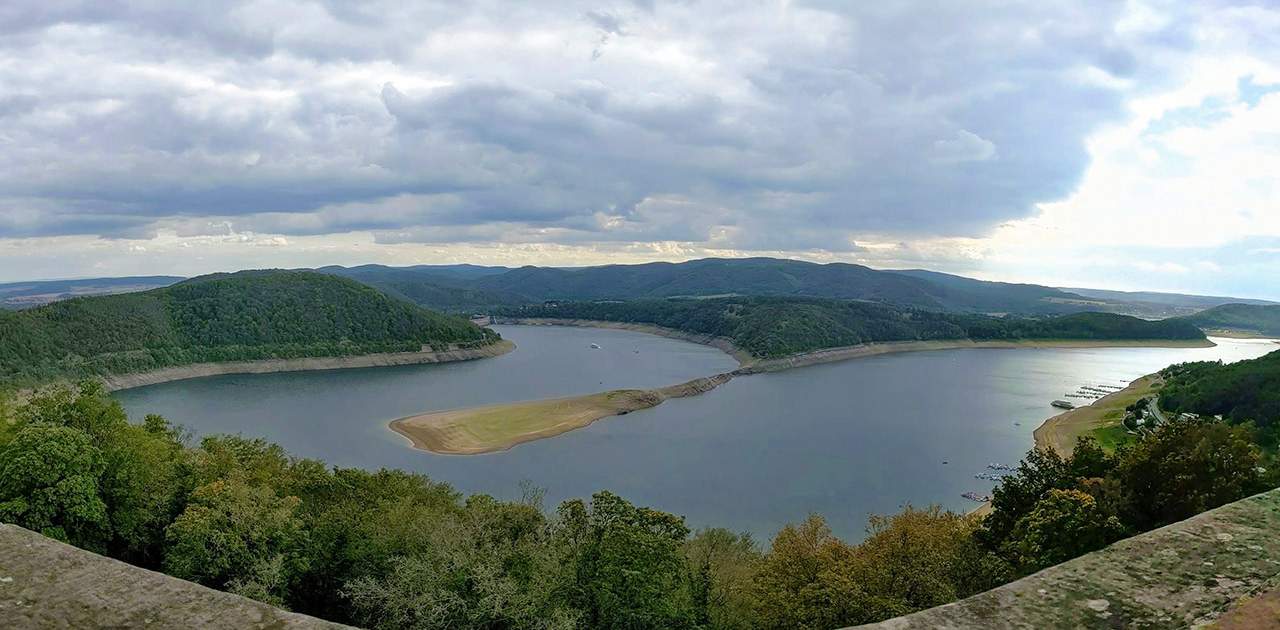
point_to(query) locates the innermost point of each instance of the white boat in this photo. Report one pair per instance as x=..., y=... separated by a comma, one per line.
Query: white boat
x=595, y=346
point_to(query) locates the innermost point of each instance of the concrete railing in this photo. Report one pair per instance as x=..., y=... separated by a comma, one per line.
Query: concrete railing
x=48, y=584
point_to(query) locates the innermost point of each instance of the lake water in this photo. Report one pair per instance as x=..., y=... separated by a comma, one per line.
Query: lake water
x=844, y=439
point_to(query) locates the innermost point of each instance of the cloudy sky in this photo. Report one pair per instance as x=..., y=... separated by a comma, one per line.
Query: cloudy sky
x=1130, y=145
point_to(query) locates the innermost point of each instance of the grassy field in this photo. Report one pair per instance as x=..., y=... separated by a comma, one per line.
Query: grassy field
x=1101, y=420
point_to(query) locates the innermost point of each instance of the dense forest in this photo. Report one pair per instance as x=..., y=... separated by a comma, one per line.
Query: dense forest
x=777, y=326
x=1261, y=319
x=225, y=317
x=1241, y=392
x=392, y=550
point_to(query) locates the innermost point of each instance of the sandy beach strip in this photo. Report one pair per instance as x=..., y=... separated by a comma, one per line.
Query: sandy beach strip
x=1060, y=432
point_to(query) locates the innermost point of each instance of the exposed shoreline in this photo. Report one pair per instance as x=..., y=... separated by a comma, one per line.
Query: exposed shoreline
x=832, y=355
x=750, y=364
x=723, y=344
x=117, y=382
x=448, y=432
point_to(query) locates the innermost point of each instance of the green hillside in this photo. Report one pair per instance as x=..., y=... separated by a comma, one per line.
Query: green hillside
x=774, y=326
x=242, y=316
x=1248, y=318
x=454, y=288
x=442, y=288
x=1246, y=391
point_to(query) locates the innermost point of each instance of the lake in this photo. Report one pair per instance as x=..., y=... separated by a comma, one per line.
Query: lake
x=845, y=440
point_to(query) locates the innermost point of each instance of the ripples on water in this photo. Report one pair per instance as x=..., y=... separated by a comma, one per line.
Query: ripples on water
x=843, y=439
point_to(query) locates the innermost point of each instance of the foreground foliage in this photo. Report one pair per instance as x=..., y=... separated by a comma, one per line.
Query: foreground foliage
x=1053, y=508
x=242, y=316
x=388, y=549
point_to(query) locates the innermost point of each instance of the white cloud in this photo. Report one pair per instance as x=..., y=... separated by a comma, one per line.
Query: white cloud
x=1030, y=141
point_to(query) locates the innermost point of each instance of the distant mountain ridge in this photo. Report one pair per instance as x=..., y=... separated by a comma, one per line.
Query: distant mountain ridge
x=465, y=288
x=1156, y=305
x=16, y=295
x=248, y=315
x=444, y=288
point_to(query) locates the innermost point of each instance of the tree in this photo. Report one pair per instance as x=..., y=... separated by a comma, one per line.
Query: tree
x=49, y=483
x=1187, y=467
x=811, y=580
x=233, y=532
x=1039, y=472
x=725, y=563
x=489, y=567
x=139, y=481
x=1063, y=525
x=921, y=558
x=629, y=571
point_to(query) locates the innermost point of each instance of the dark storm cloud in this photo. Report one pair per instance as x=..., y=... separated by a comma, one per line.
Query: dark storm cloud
x=745, y=126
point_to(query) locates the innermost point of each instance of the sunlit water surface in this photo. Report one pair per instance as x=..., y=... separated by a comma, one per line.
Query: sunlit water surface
x=844, y=439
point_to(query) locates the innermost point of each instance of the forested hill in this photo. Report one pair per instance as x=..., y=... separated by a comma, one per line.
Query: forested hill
x=1248, y=318
x=773, y=327
x=1245, y=391
x=458, y=288
x=226, y=317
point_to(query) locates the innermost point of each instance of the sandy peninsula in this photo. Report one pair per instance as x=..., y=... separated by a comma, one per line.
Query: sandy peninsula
x=499, y=427
x=125, y=381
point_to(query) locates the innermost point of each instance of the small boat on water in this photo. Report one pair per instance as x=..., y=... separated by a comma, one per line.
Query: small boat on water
x=1062, y=404
x=974, y=496
x=595, y=346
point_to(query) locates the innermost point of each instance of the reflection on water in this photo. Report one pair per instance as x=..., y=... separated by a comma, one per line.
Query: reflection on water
x=844, y=439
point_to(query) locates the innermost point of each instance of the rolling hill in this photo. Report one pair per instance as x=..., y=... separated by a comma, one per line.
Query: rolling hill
x=1257, y=319
x=486, y=287
x=224, y=317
